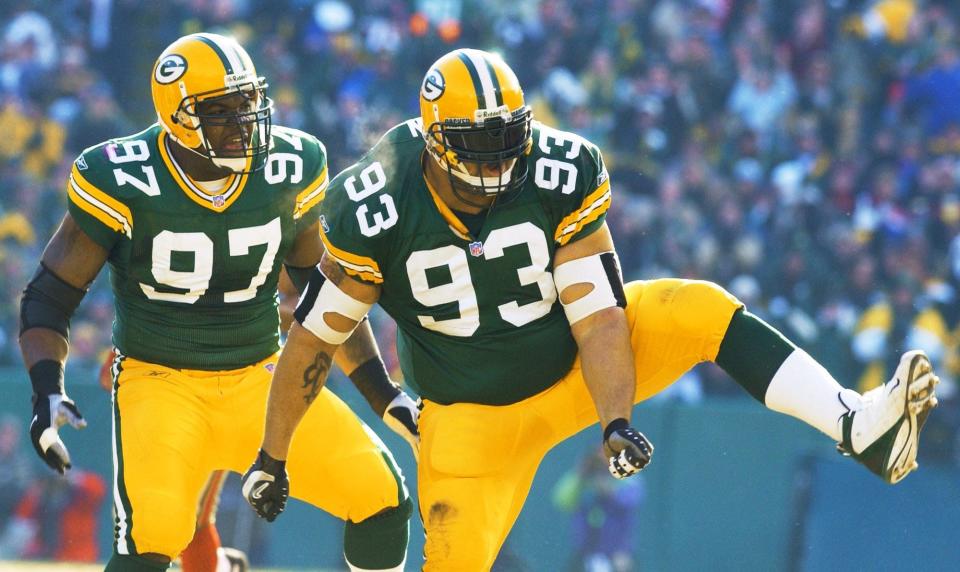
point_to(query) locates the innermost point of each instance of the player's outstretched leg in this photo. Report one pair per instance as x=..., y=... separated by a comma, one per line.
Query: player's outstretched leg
x=880, y=429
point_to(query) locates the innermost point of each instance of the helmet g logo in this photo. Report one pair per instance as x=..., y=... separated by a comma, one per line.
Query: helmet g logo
x=170, y=69
x=433, y=85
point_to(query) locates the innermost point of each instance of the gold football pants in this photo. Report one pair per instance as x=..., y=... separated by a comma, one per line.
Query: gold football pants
x=477, y=461
x=172, y=428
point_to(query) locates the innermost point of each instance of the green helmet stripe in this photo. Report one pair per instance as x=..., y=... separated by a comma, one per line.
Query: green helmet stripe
x=219, y=51
x=496, y=82
x=482, y=102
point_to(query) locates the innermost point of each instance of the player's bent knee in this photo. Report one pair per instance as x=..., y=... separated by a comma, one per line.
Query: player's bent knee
x=380, y=541
x=162, y=526
x=702, y=307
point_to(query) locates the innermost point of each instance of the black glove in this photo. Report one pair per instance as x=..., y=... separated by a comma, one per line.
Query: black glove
x=402, y=416
x=52, y=409
x=629, y=451
x=265, y=486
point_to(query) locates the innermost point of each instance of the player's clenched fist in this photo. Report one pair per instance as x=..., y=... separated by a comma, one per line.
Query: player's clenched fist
x=265, y=486
x=629, y=451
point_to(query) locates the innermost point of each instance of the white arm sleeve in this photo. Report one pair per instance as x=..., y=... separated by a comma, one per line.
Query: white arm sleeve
x=602, y=271
x=322, y=297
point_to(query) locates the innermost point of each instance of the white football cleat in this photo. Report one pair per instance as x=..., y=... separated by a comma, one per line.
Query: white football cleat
x=883, y=434
x=231, y=560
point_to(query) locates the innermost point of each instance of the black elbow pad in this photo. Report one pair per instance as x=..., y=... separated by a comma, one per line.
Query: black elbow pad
x=48, y=302
x=299, y=276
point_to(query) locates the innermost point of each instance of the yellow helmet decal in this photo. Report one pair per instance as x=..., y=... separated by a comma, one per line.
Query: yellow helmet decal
x=170, y=68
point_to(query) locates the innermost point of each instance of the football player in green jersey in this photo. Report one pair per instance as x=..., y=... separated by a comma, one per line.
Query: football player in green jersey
x=482, y=233
x=196, y=215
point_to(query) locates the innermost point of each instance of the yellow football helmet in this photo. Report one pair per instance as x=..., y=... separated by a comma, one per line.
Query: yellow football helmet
x=475, y=121
x=201, y=68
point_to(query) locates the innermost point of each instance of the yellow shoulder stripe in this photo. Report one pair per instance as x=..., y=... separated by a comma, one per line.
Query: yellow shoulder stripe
x=593, y=206
x=363, y=267
x=98, y=204
x=311, y=196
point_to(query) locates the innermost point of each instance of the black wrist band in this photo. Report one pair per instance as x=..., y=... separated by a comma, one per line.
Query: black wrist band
x=271, y=465
x=373, y=382
x=46, y=377
x=615, y=425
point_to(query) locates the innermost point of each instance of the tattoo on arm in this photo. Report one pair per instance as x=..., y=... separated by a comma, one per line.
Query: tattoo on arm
x=314, y=375
x=332, y=270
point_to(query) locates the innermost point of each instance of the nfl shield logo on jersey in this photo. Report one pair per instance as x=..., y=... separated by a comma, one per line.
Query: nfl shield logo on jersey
x=476, y=248
x=218, y=201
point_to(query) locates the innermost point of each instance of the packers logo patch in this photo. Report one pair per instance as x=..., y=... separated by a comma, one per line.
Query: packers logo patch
x=433, y=85
x=170, y=69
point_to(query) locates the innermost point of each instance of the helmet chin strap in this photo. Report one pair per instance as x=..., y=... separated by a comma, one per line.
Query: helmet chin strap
x=235, y=164
x=460, y=172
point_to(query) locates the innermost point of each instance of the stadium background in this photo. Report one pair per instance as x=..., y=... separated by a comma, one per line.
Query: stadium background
x=802, y=153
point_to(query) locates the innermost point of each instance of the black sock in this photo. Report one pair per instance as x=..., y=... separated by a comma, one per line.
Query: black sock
x=379, y=542
x=132, y=563
x=751, y=353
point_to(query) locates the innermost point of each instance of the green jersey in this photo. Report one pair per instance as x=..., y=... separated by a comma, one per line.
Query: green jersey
x=478, y=316
x=195, y=275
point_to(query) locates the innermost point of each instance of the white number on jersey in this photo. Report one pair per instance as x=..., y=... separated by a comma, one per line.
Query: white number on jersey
x=197, y=281
x=129, y=152
x=276, y=170
x=460, y=289
x=372, y=181
x=548, y=172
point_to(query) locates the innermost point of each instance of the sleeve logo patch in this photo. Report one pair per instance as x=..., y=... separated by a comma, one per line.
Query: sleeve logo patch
x=602, y=177
x=433, y=85
x=81, y=163
x=323, y=224
x=170, y=69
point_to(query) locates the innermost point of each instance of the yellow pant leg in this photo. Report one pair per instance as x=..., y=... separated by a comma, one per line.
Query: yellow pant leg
x=674, y=325
x=477, y=462
x=338, y=464
x=476, y=466
x=161, y=436
x=335, y=462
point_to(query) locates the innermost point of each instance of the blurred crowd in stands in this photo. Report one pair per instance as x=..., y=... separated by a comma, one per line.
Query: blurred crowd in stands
x=805, y=154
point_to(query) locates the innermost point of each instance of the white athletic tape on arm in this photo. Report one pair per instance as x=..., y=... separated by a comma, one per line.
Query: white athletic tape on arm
x=332, y=300
x=587, y=270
